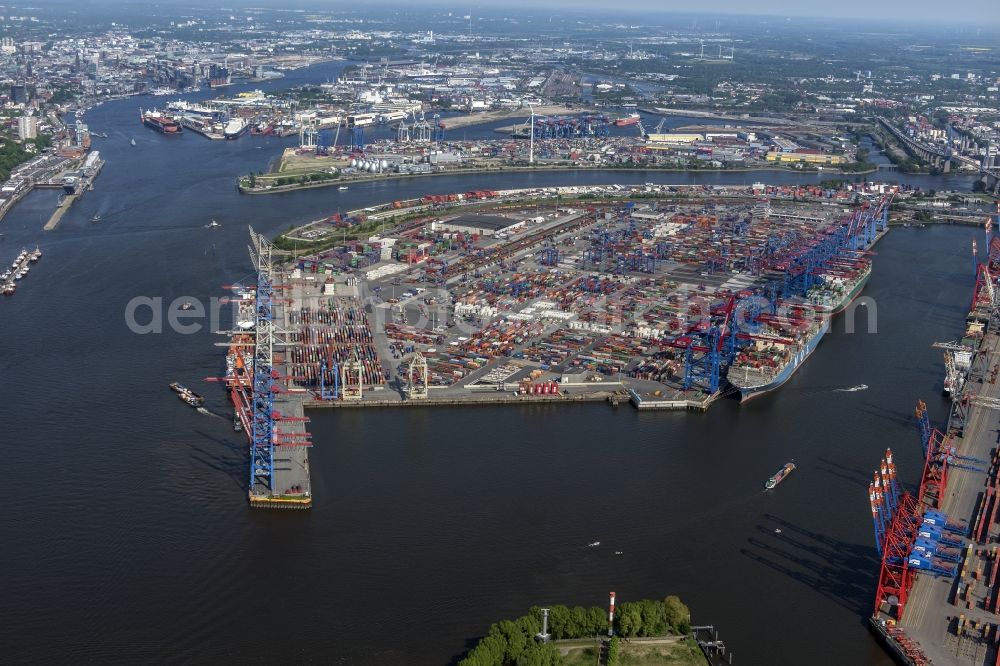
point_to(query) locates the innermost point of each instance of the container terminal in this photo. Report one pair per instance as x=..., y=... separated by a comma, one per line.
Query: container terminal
x=938, y=594
x=502, y=297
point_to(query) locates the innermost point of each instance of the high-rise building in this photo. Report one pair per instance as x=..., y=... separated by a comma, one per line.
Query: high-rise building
x=82, y=136
x=27, y=127
x=19, y=93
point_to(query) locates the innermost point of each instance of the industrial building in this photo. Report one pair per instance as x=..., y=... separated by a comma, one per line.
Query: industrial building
x=479, y=225
x=811, y=157
x=668, y=140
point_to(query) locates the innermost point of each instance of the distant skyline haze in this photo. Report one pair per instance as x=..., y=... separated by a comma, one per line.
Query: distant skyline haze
x=984, y=12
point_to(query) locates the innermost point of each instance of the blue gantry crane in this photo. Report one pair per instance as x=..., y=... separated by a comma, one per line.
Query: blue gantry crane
x=326, y=392
x=262, y=433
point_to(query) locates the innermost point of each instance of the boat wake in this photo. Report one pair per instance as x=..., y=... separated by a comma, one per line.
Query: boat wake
x=202, y=410
x=852, y=389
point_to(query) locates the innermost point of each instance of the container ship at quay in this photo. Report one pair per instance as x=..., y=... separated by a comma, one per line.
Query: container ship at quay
x=786, y=342
x=161, y=122
x=239, y=361
x=776, y=353
x=958, y=355
x=840, y=288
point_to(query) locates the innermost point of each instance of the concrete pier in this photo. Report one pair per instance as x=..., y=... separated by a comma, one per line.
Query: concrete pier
x=935, y=606
x=292, y=485
x=57, y=216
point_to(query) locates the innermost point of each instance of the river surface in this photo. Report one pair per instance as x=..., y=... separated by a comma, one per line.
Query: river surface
x=126, y=534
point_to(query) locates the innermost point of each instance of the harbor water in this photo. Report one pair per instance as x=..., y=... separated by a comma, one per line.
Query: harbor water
x=127, y=537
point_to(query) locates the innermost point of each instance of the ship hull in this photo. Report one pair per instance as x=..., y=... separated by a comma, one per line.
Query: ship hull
x=748, y=392
x=235, y=134
x=161, y=128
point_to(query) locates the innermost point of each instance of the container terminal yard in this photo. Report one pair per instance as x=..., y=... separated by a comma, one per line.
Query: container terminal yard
x=938, y=595
x=661, y=298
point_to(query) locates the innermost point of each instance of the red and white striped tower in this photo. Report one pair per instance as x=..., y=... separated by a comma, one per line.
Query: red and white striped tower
x=611, y=616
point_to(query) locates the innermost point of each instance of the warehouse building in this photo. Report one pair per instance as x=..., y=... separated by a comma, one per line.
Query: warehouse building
x=480, y=225
x=809, y=156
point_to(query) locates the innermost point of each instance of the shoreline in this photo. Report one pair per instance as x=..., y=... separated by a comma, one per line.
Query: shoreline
x=280, y=189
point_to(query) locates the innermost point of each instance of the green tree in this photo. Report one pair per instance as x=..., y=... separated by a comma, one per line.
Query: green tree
x=559, y=621
x=492, y=648
x=579, y=626
x=614, y=651
x=597, y=621
x=514, y=638
x=628, y=615
x=539, y=654
x=253, y=180
x=654, y=619
x=530, y=624
x=473, y=659
x=678, y=615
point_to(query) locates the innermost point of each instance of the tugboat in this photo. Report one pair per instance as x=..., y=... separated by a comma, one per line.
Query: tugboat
x=780, y=476
x=187, y=395
x=35, y=256
x=95, y=219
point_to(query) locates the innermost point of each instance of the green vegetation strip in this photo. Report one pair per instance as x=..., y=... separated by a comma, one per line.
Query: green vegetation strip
x=512, y=642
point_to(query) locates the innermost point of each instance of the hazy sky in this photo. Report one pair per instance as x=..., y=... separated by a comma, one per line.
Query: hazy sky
x=966, y=11
x=985, y=12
